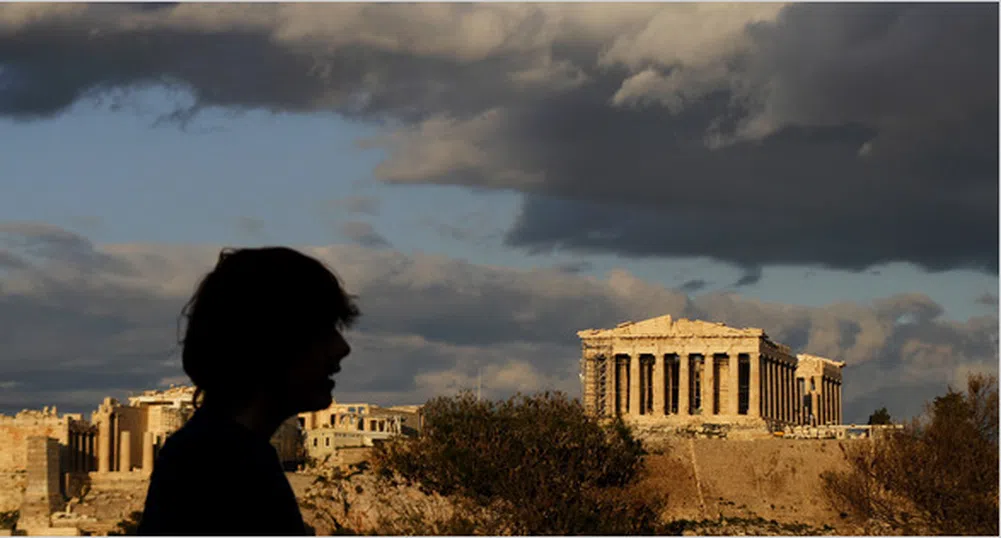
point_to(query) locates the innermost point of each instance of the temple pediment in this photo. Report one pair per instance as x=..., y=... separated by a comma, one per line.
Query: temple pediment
x=805, y=357
x=662, y=326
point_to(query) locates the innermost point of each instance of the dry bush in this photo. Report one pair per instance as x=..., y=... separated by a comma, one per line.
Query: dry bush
x=939, y=475
x=8, y=520
x=537, y=464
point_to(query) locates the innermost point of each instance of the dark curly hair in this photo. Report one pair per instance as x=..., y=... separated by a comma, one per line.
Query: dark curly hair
x=253, y=315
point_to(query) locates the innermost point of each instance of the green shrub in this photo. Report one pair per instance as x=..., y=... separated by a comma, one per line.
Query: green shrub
x=880, y=417
x=540, y=463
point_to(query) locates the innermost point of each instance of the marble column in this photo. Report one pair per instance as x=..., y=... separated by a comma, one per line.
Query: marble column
x=104, y=445
x=635, y=388
x=783, y=394
x=116, y=448
x=771, y=388
x=708, y=376
x=621, y=385
x=765, y=403
x=827, y=401
x=789, y=393
x=91, y=451
x=793, y=388
x=587, y=385
x=837, y=403
x=834, y=411
x=767, y=391
x=830, y=401
x=773, y=385
x=658, y=385
x=684, y=377
x=820, y=401
x=670, y=379
x=786, y=396
x=610, y=388
x=797, y=413
x=733, y=385
x=125, y=452
x=838, y=397
x=148, y=447
x=790, y=387
x=780, y=391
x=834, y=403
x=817, y=405
x=781, y=375
x=754, y=387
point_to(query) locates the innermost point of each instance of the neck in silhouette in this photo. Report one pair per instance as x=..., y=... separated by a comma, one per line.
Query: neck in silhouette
x=260, y=415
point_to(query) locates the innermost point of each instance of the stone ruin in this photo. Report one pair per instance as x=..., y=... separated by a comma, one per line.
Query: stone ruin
x=705, y=379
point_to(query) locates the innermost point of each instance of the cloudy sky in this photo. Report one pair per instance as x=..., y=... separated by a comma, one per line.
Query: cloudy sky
x=491, y=178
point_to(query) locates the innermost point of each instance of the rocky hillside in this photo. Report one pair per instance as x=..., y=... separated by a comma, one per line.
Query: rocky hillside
x=714, y=487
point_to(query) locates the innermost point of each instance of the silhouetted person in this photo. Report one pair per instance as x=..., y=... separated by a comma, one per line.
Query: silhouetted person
x=263, y=338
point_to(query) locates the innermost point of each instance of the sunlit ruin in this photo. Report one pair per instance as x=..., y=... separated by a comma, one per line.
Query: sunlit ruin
x=688, y=383
x=684, y=374
x=47, y=457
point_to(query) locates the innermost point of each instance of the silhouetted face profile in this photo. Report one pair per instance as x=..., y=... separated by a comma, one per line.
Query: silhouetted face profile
x=265, y=327
x=309, y=382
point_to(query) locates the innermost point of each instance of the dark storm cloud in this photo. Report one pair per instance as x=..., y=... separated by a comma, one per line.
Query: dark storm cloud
x=431, y=323
x=839, y=135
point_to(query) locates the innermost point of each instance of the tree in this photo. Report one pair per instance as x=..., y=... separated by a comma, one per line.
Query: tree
x=542, y=464
x=880, y=417
x=937, y=476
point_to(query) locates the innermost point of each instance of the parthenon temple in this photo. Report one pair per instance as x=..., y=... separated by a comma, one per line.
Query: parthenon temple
x=689, y=371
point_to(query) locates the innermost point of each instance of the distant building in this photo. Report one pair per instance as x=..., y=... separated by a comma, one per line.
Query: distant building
x=344, y=425
x=687, y=372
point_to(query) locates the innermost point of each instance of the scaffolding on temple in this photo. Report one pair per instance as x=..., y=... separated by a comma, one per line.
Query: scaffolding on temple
x=596, y=358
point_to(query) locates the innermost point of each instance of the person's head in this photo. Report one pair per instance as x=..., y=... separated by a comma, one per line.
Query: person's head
x=265, y=325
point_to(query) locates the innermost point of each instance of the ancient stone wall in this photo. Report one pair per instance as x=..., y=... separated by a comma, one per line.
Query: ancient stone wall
x=12, y=484
x=42, y=494
x=15, y=431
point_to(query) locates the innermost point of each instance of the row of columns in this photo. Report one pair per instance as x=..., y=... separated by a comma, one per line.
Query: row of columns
x=81, y=451
x=117, y=456
x=646, y=385
x=829, y=408
x=781, y=399
x=662, y=385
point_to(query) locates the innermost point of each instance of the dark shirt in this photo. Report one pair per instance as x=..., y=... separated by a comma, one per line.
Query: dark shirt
x=214, y=476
